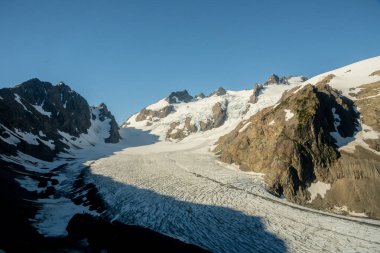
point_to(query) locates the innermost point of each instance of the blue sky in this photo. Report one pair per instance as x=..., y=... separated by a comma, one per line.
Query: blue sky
x=129, y=54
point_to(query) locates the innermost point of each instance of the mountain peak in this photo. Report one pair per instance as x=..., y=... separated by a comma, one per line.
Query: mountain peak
x=275, y=79
x=178, y=97
x=220, y=91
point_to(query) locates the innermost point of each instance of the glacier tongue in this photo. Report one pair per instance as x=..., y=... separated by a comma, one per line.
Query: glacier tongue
x=180, y=189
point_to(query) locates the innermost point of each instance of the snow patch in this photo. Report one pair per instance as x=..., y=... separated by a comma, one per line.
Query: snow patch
x=272, y=123
x=288, y=114
x=245, y=127
x=344, y=209
x=33, y=139
x=41, y=110
x=340, y=140
x=98, y=131
x=18, y=100
x=29, y=184
x=318, y=188
x=55, y=214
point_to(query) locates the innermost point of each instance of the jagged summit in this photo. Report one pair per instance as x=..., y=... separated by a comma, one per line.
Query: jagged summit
x=179, y=97
x=278, y=80
x=218, y=92
x=200, y=96
x=44, y=112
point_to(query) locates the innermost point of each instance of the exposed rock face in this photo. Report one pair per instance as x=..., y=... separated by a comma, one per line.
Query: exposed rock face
x=178, y=97
x=376, y=73
x=38, y=120
x=292, y=144
x=200, y=96
x=40, y=109
x=154, y=115
x=219, y=112
x=218, y=92
x=37, y=110
x=114, y=131
x=274, y=79
x=256, y=92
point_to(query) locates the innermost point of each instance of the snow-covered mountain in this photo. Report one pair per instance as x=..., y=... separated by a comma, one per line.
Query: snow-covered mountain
x=314, y=139
x=319, y=144
x=47, y=133
x=180, y=115
x=234, y=171
x=273, y=166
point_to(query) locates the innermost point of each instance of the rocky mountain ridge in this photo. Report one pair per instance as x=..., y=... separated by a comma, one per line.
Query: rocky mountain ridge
x=180, y=115
x=47, y=133
x=318, y=146
x=35, y=115
x=316, y=140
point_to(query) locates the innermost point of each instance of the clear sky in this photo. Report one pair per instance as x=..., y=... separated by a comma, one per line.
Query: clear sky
x=129, y=54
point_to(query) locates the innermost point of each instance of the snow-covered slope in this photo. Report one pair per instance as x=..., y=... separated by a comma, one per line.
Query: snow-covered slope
x=351, y=76
x=181, y=189
x=347, y=80
x=200, y=113
x=45, y=132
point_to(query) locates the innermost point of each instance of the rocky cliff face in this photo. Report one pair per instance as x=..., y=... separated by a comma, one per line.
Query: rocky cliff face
x=304, y=145
x=39, y=124
x=179, y=96
x=34, y=115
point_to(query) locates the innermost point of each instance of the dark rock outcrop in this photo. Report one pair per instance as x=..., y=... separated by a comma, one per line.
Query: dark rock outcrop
x=274, y=79
x=200, y=96
x=179, y=97
x=114, y=130
x=39, y=110
x=218, y=92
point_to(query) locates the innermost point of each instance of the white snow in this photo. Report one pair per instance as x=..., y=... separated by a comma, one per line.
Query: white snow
x=288, y=114
x=359, y=75
x=182, y=190
x=318, y=188
x=344, y=209
x=365, y=132
x=12, y=138
x=159, y=105
x=98, y=131
x=41, y=110
x=29, y=184
x=238, y=109
x=55, y=214
x=340, y=140
x=33, y=139
x=272, y=123
x=18, y=100
x=1, y=97
x=245, y=127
